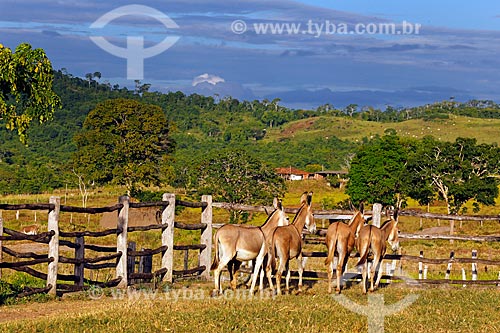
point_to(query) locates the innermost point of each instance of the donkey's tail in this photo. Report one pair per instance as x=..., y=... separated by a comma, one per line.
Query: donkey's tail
x=215, y=263
x=364, y=248
x=331, y=245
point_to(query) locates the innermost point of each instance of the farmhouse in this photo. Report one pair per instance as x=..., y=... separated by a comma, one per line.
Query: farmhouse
x=290, y=173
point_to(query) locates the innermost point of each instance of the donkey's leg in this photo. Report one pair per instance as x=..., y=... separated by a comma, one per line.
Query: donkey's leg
x=340, y=270
x=373, y=269
x=232, y=277
x=379, y=273
x=257, y=266
x=288, y=274
x=301, y=271
x=364, y=276
x=330, y=276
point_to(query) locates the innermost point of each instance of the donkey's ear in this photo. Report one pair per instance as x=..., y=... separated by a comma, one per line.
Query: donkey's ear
x=280, y=205
x=309, y=198
x=361, y=207
x=396, y=215
x=275, y=203
x=304, y=198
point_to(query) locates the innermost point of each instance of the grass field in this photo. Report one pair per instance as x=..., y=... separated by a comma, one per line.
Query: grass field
x=191, y=309
x=484, y=130
x=185, y=306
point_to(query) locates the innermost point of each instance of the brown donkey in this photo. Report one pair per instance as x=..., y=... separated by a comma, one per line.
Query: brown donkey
x=374, y=239
x=237, y=243
x=286, y=243
x=340, y=238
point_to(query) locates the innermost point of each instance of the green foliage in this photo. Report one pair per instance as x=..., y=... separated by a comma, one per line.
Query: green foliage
x=388, y=169
x=378, y=172
x=18, y=283
x=457, y=171
x=236, y=177
x=124, y=142
x=25, y=88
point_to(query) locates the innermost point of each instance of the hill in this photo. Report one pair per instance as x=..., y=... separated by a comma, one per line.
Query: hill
x=344, y=128
x=310, y=139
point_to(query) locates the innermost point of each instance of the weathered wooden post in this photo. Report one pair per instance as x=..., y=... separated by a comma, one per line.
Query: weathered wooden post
x=131, y=261
x=80, y=255
x=452, y=229
x=474, y=265
x=420, y=266
x=167, y=236
x=376, y=214
x=448, y=268
x=206, y=236
x=1, y=234
x=121, y=242
x=53, y=225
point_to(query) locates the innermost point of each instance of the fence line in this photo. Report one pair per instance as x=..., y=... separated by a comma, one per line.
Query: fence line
x=124, y=255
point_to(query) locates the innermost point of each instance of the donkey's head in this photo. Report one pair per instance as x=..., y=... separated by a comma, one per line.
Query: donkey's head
x=306, y=212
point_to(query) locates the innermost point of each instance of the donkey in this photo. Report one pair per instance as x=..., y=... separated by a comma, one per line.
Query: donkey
x=237, y=243
x=340, y=238
x=371, y=237
x=31, y=229
x=286, y=244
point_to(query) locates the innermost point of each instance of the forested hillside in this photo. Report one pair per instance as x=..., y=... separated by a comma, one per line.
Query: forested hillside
x=310, y=139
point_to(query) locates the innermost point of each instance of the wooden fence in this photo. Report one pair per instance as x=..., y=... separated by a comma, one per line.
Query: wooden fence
x=123, y=257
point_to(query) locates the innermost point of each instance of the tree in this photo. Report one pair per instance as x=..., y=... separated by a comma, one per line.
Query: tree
x=378, y=172
x=235, y=177
x=456, y=171
x=125, y=142
x=26, y=94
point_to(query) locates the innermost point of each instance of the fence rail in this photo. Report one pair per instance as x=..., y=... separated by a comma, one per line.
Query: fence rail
x=122, y=257
x=119, y=257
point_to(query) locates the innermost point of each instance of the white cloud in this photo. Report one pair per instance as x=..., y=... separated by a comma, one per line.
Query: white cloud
x=209, y=78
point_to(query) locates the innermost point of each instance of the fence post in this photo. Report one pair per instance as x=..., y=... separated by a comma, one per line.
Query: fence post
x=53, y=225
x=167, y=236
x=377, y=211
x=420, y=266
x=1, y=234
x=80, y=255
x=206, y=236
x=448, y=268
x=131, y=261
x=121, y=242
x=474, y=265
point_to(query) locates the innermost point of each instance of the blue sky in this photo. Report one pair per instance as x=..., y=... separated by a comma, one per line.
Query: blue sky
x=455, y=53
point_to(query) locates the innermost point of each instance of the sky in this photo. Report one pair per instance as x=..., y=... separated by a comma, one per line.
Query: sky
x=327, y=51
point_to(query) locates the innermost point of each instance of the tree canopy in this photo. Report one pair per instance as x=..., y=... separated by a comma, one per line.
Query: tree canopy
x=236, y=177
x=389, y=169
x=26, y=94
x=455, y=172
x=124, y=142
x=378, y=172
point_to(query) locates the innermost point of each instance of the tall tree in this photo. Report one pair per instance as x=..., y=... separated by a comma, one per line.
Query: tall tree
x=125, y=142
x=236, y=177
x=378, y=172
x=26, y=94
x=456, y=171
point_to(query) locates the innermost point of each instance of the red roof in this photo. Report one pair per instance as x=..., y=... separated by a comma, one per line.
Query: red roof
x=291, y=171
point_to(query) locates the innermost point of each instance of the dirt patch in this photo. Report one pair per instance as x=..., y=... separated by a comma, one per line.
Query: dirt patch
x=297, y=127
x=35, y=311
x=435, y=231
x=136, y=217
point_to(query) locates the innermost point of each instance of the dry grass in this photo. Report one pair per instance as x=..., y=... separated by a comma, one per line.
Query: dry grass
x=435, y=310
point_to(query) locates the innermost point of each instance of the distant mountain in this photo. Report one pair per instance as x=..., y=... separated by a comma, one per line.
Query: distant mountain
x=209, y=85
x=310, y=99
